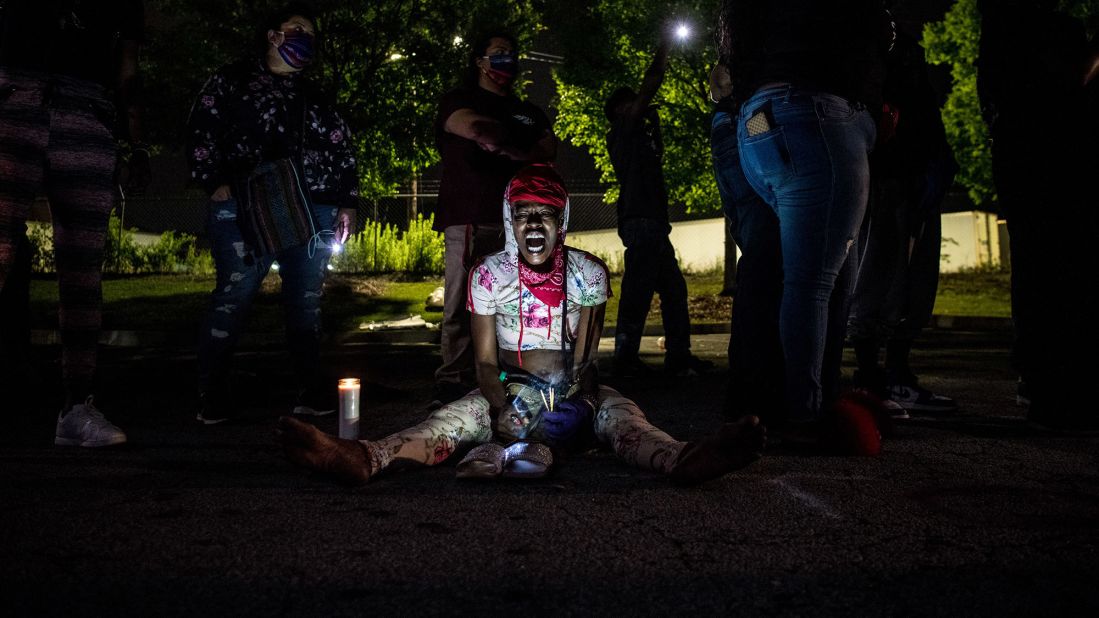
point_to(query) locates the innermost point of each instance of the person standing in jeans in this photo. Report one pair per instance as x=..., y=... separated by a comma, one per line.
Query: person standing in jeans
x=484, y=134
x=264, y=109
x=901, y=238
x=806, y=77
x=755, y=351
x=60, y=64
x=636, y=149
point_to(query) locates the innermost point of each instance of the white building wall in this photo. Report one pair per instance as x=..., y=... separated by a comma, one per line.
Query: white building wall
x=970, y=239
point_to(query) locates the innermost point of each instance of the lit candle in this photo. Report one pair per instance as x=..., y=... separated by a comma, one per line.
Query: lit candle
x=349, y=408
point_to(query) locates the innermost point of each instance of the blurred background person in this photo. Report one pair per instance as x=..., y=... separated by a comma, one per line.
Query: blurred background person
x=901, y=238
x=1032, y=75
x=485, y=134
x=636, y=147
x=261, y=109
x=68, y=80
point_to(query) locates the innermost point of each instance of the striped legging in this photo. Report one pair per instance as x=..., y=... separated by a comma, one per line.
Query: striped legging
x=55, y=140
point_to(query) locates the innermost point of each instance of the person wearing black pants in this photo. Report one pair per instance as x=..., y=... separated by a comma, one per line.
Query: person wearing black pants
x=1033, y=72
x=636, y=149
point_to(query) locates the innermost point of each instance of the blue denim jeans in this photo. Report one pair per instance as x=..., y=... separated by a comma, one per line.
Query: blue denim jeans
x=900, y=245
x=755, y=351
x=239, y=276
x=812, y=168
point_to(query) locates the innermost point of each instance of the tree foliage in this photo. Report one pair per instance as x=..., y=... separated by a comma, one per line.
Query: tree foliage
x=385, y=61
x=610, y=43
x=955, y=41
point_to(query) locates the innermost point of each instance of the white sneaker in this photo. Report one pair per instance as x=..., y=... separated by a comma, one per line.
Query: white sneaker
x=84, y=425
x=917, y=398
x=895, y=409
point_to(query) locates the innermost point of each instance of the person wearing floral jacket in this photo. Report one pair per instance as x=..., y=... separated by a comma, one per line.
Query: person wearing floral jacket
x=256, y=110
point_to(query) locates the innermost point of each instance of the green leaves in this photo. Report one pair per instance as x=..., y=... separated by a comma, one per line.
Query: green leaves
x=385, y=61
x=609, y=44
x=955, y=41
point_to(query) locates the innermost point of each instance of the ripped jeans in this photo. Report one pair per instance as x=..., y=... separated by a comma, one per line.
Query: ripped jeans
x=811, y=165
x=239, y=276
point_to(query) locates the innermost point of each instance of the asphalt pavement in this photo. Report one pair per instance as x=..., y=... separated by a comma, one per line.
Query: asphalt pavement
x=972, y=514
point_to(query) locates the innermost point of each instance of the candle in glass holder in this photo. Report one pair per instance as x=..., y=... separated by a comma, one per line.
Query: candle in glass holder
x=349, y=408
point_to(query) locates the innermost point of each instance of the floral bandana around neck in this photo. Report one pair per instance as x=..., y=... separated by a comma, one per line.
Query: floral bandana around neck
x=541, y=184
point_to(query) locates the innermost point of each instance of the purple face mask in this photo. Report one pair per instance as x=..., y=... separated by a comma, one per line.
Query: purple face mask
x=502, y=68
x=297, y=48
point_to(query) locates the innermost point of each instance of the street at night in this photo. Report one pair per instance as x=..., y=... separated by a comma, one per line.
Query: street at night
x=969, y=514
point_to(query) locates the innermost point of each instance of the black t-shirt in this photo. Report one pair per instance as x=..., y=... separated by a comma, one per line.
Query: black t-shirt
x=1030, y=56
x=920, y=136
x=76, y=38
x=636, y=148
x=473, y=180
x=836, y=47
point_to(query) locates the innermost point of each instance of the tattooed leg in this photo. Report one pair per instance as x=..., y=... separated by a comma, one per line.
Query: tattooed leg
x=622, y=425
x=465, y=421
x=462, y=422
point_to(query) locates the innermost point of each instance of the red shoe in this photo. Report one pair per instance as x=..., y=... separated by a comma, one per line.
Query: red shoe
x=852, y=430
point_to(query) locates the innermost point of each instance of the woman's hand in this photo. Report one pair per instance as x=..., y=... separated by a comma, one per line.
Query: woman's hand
x=566, y=419
x=345, y=224
x=221, y=194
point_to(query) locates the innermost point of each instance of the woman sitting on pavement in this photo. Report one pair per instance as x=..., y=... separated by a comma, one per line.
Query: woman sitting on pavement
x=538, y=311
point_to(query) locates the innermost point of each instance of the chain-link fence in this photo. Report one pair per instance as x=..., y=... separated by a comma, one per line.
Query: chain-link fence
x=187, y=213
x=140, y=224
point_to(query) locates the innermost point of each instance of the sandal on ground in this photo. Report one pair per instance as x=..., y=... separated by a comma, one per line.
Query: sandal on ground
x=484, y=462
x=528, y=460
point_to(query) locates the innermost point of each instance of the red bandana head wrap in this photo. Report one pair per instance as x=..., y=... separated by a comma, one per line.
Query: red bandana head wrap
x=541, y=184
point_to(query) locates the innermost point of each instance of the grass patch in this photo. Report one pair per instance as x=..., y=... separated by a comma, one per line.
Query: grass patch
x=975, y=292
x=176, y=303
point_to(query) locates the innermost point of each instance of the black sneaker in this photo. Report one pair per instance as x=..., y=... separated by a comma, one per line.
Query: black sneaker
x=214, y=409
x=687, y=366
x=631, y=367
x=1022, y=394
x=919, y=399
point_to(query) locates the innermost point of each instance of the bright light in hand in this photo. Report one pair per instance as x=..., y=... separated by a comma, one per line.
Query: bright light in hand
x=682, y=31
x=336, y=247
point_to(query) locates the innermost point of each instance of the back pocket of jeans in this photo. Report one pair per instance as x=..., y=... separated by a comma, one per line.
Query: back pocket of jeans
x=767, y=157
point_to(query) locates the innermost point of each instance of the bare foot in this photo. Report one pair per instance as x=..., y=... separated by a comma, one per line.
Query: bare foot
x=732, y=447
x=305, y=445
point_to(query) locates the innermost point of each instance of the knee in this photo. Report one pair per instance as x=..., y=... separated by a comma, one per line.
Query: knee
x=237, y=284
x=470, y=413
x=303, y=300
x=615, y=409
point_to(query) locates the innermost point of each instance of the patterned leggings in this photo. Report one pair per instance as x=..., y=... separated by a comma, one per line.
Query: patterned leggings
x=466, y=422
x=54, y=139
